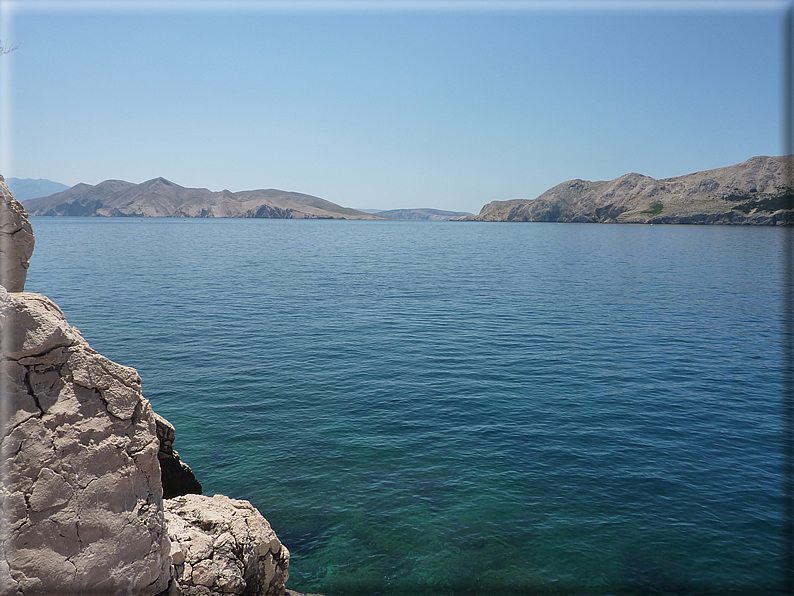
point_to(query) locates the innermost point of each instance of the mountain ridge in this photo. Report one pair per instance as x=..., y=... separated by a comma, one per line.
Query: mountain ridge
x=32, y=188
x=160, y=197
x=423, y=213
x=754, y=192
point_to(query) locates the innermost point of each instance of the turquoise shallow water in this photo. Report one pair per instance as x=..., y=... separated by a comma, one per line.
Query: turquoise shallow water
x=449, y=408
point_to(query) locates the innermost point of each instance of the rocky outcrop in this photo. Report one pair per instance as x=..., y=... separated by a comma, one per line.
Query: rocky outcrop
x=82, y=493
x=758, y=191
x=16, y=241
x=81, y=487
x=176, y=475
x=224, y=546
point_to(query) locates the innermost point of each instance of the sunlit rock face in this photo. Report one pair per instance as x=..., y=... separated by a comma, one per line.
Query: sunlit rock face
x=224, y=546
x=16, y=241
x=81, y=491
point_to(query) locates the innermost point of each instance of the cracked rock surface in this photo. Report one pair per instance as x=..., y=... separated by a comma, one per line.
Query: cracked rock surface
x=16, y=241
x=81, y=493
x=224, y=546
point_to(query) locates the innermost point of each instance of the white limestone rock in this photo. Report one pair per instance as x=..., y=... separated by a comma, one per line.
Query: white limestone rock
x=16, y=241
x=224, y=546
x=81, y=492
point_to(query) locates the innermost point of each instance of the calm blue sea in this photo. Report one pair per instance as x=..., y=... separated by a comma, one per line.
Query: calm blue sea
x=451, y=408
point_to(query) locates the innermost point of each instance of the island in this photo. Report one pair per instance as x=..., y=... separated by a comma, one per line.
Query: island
x=758, y=191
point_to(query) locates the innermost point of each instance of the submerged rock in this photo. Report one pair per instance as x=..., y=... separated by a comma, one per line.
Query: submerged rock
x=224, y=546
x=177, y=477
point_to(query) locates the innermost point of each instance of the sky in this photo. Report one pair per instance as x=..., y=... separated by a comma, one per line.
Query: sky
x=381, y=105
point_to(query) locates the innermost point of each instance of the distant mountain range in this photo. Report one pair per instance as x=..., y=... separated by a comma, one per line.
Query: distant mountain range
x=423, y=214
x=30, y=188
x=162, y=198
x=753, y=192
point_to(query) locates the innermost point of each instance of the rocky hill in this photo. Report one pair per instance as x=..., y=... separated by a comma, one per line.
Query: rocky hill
x=422, y=214
x=754, y=192
x=162, y=198
x=33, y=188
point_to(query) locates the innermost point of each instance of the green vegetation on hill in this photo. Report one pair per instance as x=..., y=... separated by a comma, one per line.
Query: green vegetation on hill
x=655, y=209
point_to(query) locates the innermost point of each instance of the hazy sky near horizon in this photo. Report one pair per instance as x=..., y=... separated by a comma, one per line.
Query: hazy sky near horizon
x=444, y=105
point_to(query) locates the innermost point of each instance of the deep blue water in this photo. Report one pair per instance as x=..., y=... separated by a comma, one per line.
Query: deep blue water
x=451, y=408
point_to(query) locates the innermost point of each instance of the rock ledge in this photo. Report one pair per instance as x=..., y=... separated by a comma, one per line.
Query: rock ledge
x=224, y=546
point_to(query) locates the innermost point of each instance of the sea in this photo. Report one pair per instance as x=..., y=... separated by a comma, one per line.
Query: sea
x=455, y=408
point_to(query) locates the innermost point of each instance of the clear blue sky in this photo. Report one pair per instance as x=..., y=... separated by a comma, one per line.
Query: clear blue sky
x=446, y=105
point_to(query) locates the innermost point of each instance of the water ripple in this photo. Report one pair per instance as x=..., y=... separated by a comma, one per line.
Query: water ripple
x=433, y=408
